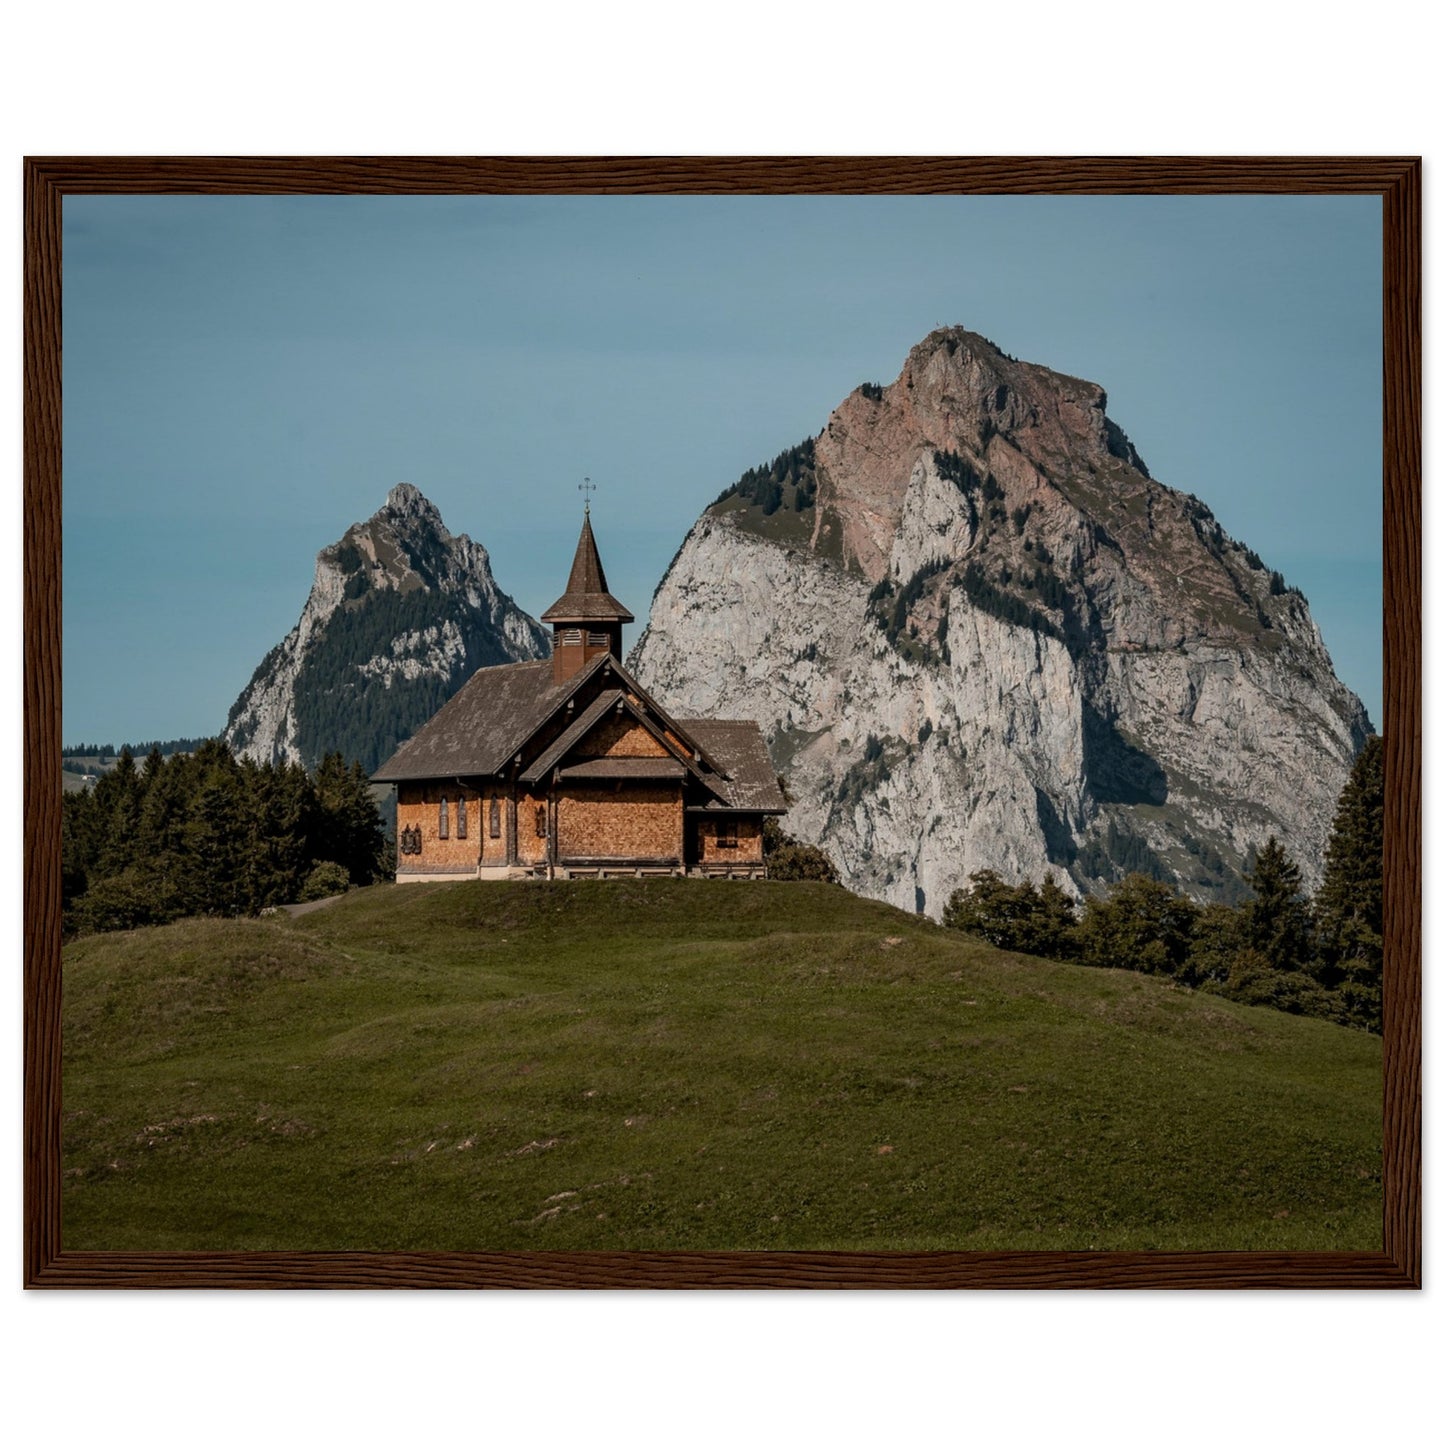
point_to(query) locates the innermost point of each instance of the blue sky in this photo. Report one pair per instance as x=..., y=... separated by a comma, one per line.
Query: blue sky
x=246, y=376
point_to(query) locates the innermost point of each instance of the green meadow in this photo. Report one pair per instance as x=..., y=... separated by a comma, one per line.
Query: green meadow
x=674, y=1064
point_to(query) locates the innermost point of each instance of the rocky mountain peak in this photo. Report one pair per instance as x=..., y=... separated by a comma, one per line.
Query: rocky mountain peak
x=405, y=500
x=978, y=633
x=960, y=395
x=400, y=614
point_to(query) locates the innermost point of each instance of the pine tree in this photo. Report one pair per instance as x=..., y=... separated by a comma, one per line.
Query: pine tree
x=213, y=840
x=1276, y=921
x=349, y=829
x=118, y=797
x=76, y=816
x=1349, y=908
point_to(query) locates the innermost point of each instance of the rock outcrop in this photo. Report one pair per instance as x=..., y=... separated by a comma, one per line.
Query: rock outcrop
x=978, y=634
x=400, y=614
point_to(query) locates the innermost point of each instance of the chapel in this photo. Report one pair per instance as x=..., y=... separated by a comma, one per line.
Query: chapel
x=568, y=768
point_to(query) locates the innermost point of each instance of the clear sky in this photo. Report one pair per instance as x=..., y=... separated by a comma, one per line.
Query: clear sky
x=244, y=377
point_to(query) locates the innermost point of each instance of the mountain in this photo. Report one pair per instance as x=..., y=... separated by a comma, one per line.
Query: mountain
x=977, y=634
x=401, y=613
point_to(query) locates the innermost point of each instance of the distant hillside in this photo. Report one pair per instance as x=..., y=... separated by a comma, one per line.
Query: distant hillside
x=401, y=613
x=108, y=752
x=83, y=763
x=682, y=1065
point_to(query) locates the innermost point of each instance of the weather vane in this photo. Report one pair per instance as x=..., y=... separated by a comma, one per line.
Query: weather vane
x=587, y=486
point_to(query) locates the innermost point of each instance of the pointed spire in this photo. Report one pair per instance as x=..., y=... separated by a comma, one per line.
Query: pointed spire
x=587, y=574
x=587, y=598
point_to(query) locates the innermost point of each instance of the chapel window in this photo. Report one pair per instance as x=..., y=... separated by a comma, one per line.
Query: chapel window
x=727, y=833
x=461, y=817
x=541, y=820
x=494, y=818
x=442, y=820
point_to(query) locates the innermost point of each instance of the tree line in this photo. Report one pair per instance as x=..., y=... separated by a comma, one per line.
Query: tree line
x=1320, y=956
x=109, y=750
x=790, y=477
x=208, y=833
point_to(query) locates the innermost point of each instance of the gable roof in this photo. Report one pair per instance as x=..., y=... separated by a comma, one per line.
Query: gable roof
x=603, y=704
x=500, y=709
x=583, y=724
x=587, y=598
x=485, y=722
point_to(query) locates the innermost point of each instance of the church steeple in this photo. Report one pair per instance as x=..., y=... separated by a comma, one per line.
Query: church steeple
x=586, y=619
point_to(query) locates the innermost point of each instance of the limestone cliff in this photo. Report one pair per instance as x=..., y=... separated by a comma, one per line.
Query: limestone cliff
x=977, y=633
x=400, y=614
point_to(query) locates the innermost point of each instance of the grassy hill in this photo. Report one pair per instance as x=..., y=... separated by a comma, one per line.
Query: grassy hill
x=685, y=1065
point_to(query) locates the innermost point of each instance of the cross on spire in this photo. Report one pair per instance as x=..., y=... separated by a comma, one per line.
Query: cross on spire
x=587, y=486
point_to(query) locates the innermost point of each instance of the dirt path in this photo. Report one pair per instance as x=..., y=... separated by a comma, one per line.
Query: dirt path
x=295, y=910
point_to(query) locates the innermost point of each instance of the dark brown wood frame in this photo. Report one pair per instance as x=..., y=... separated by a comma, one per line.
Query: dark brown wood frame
x=1396, y=180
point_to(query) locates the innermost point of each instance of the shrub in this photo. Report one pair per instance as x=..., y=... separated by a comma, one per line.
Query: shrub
x=1254, y=980
x=1023, y=918
x=137, y=897
x=325, y=880
x=1143, y=925
x=790, y=861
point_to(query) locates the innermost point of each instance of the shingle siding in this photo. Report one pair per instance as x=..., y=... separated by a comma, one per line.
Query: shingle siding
x=637, y=822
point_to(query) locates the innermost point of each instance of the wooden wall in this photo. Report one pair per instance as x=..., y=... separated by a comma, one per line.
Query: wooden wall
x=531, y=849
x=418, y=805
x=749, y=835
x=633, y=821
x=620, y=737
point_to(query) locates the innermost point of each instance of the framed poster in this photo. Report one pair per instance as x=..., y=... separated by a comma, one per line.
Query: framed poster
x=564, y=1237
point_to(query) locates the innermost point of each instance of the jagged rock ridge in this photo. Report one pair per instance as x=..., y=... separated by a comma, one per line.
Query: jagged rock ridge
x=400, y=614
x=977, y=633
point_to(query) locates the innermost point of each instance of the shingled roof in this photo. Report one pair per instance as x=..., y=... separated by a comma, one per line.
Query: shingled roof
x=737, y=746
x=489, y=721
x=587, y=598
x=623, y=769
x=481, y=727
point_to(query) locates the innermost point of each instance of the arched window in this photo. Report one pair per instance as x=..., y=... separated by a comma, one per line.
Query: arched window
x=442, y=820
x=541, y=820
x=494, y=818
x=461, y=817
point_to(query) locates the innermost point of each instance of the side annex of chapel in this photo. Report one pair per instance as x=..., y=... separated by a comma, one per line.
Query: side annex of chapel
x=568, y=768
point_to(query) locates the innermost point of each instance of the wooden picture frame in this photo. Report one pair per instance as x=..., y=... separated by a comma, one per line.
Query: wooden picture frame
x=1396, y=180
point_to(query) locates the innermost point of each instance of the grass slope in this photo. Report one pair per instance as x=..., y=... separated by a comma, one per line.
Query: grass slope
x=672, y=1064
